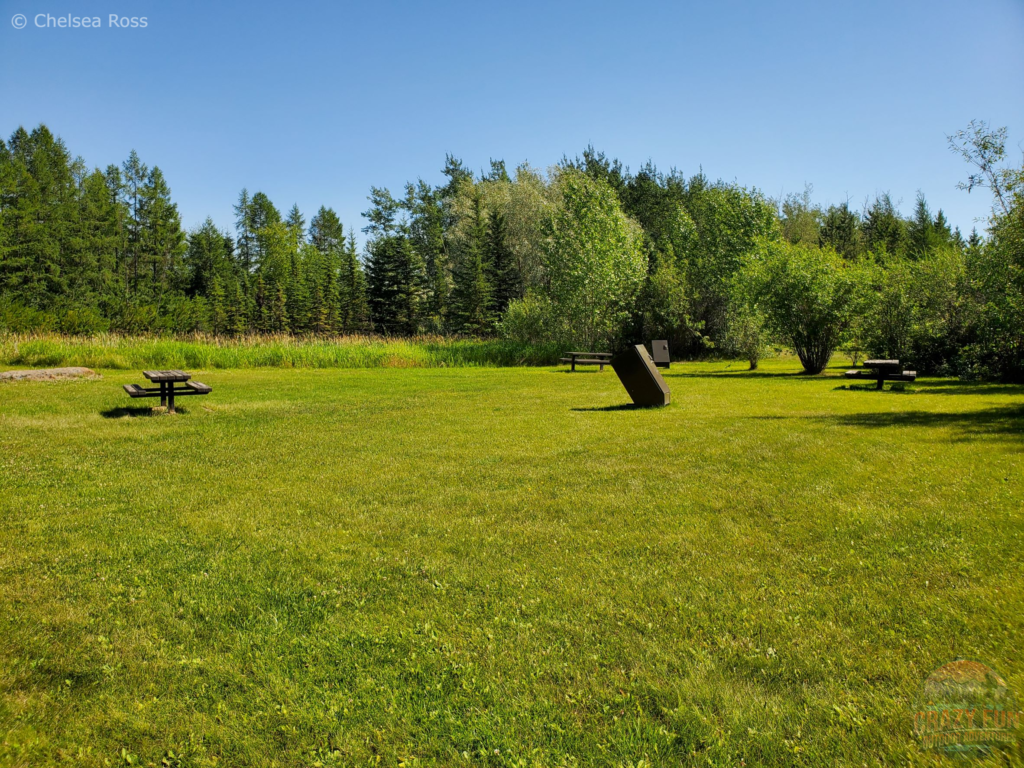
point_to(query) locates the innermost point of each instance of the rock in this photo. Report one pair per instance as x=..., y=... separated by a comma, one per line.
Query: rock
x=50, y=374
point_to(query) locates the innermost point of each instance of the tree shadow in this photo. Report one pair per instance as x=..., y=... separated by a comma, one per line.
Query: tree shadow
x=1005, y=422
x=957, y=387
x=620, y=407
x=137, y=411
x=743, y=374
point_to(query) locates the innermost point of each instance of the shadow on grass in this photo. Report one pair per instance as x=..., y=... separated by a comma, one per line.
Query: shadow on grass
x=622, y=407
x=956, y=387
x=135, y=411
x=1003, y=422
x=739, y=374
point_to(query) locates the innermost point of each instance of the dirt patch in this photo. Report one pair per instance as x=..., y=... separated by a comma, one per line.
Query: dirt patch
x=50, y=374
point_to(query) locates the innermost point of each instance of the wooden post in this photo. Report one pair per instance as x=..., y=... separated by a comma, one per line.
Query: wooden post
x=170, y=398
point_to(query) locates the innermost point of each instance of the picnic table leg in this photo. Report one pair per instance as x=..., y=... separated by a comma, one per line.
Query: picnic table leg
x=170, y=398
x=163, y=393
x=881, y=382
x=573, y=362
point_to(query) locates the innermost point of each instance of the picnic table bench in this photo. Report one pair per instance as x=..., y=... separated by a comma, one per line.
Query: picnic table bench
x=882, y=371
x=165, y=389
x=587, y=358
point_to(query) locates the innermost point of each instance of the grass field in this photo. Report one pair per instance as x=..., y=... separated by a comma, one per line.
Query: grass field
x=484, y=566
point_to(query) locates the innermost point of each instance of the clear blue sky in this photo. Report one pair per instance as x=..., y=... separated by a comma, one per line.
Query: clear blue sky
x=313, y=102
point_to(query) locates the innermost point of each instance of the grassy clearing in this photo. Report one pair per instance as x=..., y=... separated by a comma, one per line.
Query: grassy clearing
x=500, y=567
x=203, y=352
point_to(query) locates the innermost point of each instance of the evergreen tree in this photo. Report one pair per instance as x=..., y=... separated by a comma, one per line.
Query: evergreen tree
x=472, y=291
x=882, y=228
x=504, y=274
x=133, y=179
x=296, y=224
x=394, y=280
x=426, y=233
x=245, y=231
x=209, y=254
x=161, y=240
x=353, y=307
x=840, y=230
x=325, y=231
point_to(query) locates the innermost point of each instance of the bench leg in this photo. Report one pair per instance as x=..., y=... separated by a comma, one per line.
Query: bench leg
x=163, y=394
x=170, y=399
x=574, y=364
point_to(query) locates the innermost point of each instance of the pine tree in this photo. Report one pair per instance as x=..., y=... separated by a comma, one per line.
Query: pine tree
x=426, y=232
x=394, y=279
x=882, y=228
x=133, y=179
x=246, y=232
x=161, y=242
x=296, y=224
x=471, y=290
x=325, y=231
x=218, y=306
x=353, y=308
x=504, y=274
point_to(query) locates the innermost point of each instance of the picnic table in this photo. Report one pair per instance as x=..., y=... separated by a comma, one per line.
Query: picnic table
x=882, y=371
x=166, y=389
x=587, y=358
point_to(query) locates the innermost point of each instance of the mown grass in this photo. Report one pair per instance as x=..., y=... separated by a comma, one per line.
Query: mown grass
x=205, y=352
x=500, y=567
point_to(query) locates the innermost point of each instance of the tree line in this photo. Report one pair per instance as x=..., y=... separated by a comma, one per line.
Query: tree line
x=588, y=253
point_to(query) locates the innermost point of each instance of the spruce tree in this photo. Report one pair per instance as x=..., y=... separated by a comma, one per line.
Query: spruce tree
x=325, y=231
x=840, y=230
x=353, y=308
x=471, y=290
x=504, y=274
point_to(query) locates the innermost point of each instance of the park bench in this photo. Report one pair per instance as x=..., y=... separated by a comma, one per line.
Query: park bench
x=166, y=389
x=882, y=371
x=587, y=358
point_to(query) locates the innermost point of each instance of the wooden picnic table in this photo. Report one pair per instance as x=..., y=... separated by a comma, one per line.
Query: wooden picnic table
x=882, y=371
x=587, y=358
x=165, y=389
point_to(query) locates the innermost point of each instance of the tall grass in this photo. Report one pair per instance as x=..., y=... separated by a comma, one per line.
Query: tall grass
x=206, y=352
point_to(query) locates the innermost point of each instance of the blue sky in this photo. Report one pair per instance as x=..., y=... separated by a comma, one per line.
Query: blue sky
x=313, y=102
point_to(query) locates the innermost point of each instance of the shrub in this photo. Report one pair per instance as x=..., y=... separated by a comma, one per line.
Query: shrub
x=808, y=295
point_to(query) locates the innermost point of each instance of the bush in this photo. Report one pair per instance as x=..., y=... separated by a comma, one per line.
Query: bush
x=528, y=320
x=808, y=295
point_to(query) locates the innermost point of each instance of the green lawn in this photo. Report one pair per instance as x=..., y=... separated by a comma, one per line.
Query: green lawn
x=500, y=567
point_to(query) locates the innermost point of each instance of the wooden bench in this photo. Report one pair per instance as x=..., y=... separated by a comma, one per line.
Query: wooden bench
x=165, y=389
x=587, y=358
x=882, y=371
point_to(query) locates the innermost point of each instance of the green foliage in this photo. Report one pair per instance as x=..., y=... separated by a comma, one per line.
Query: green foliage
x=840, y=231
x=394, y=284
x=530, y=320
x=807, y=295
x=664, y=308
x=595, y=262
x=883, y=231
x=748, y=336
x=801, y=220
x=606, y=256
